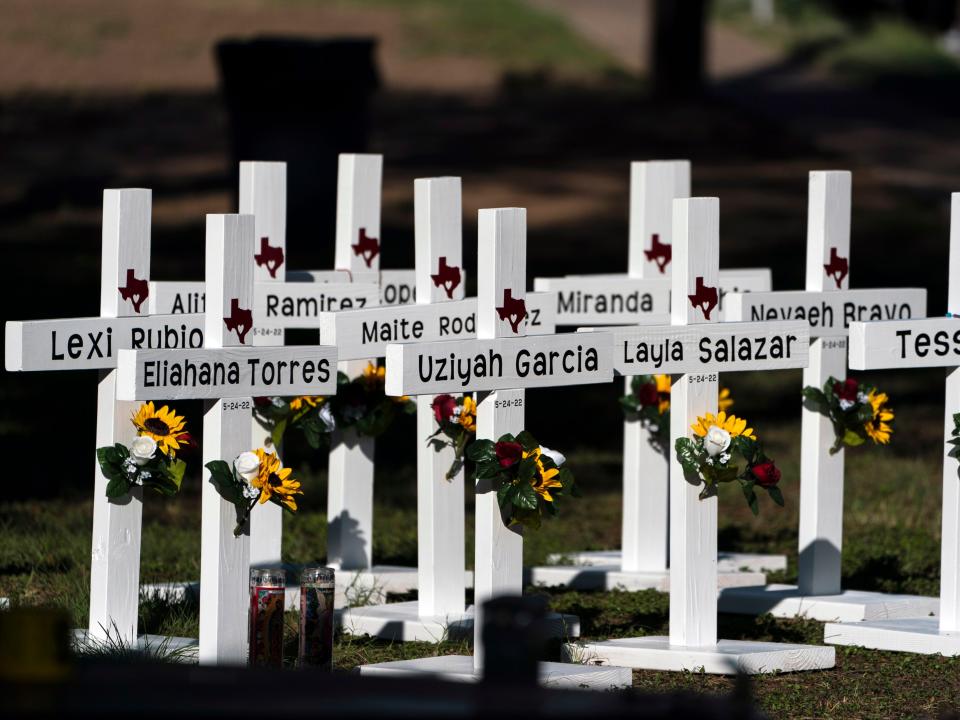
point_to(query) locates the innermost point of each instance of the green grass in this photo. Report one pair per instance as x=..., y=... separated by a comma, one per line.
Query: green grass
x=884, y=47
x=511, y=33
x=892, y=510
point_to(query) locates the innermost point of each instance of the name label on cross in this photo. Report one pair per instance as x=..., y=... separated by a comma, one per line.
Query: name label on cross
x=366, y=334
x=226, y=372
x=606, y=300
x=926, y=342
x=290, y=304
x=718, y=347
x=827, y=313
x=93, y=343
x=503, y=363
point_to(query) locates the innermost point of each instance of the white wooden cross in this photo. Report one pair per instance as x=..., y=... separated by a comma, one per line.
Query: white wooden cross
x=828, y=306
x=644, y=559
x=497, y=364
x=94, y=343
x=440, y=313
x=226, y=372
x=700, y=348
x=920, y=343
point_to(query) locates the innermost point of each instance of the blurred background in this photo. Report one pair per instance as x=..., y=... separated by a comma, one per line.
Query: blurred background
x=535, y=103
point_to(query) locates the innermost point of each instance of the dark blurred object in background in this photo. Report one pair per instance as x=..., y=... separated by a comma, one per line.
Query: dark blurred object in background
x=677, y=65
x=303, y=102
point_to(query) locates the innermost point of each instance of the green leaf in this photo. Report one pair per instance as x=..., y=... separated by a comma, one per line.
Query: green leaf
x=117, y=487
x=852, y=439
x=527, y=441
x=225, y=482
x=687, y=455
x=480, y=451
x=175, y=471
x=751, y=496
x=775, y=495
x=276, y=435
x=526, y=496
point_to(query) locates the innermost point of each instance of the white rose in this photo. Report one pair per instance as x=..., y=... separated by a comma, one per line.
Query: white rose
x=716, y=441
x=142, y=450
x=247, y=465
x=558, y=457
x=326, y=417
x=846, y=404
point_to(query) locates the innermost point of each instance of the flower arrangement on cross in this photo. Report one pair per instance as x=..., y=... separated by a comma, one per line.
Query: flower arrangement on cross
x=858, y=412
x=151, y=459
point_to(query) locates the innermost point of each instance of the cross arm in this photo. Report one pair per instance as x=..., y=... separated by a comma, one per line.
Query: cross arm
x=926, y=342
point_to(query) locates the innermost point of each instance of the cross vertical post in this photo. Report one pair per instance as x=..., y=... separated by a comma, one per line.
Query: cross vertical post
x=225, y=559
x=351, y=468
x=821, y=492
x=115, y=556
x=263, y=194
x=919, y=343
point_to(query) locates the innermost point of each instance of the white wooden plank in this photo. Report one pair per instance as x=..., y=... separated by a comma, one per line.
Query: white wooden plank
x=93, y=343
x=227, y=372
x=263, y=194
x=540, y=361
x=115, y=551
x=350, y=502
x=224, y=558
x=727, y=347
x=828, y=314
x=229, y=275
x=646, y=500
x=828, y=230
x=441, y=542
x=922, y=636
x=125, y=252
x=359, y=179
x=693, y=522
x=299, y=305
x=176, y=298
x=919, y=343
x=398, y=287
x=366, y=333
x=608, y=301
x=654, y=185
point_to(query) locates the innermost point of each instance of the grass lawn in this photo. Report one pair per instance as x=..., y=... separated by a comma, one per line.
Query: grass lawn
x=892, y=511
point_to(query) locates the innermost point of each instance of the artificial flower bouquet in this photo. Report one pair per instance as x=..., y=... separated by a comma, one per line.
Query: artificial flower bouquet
x=858, y=412
x=456, y=427
x=649, y=401
x=361, y=403
x=528, y=478
x=254, y=477
x=151, y=460
x=723, y=449
x=310, y=414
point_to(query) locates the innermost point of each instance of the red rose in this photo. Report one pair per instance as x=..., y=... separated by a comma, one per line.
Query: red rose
x=766, y=473
x=846, y=390
x=648, y=394
x=508, y=453
x=261, y=401
x=443, y=407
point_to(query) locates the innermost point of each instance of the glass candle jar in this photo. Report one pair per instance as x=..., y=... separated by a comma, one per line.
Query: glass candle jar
x=316, y=618
x=266, y=617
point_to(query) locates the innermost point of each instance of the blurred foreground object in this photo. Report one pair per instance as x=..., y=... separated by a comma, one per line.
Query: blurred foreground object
x=303, y=102
x=34, y=645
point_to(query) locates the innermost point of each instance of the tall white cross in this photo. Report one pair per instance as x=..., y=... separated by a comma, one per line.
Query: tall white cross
x=698, y=347
x=920, y=343
x=500, y=361
x=828, y=306
x=93, y=343
x=622, y=299
x=439, y=314
x=226, y=373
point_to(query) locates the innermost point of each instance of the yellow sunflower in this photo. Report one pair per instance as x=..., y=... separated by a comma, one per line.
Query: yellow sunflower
x=163, y=425
x=544, y=479
x=373, y=374
x=725, y=399
x=310, y=400
x=878, y=429
x=663, y=392
x=731, y=423
x=468, y=415
x=275, y=480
